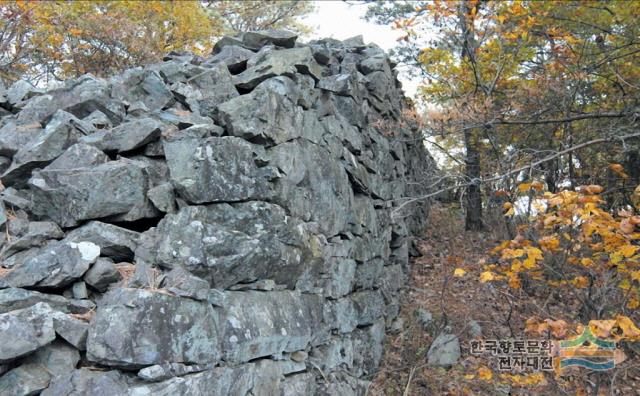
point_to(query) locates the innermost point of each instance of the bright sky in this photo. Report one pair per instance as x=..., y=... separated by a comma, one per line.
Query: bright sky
x=341, y=20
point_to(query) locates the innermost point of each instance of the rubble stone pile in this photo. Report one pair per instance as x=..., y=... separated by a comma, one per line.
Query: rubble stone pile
x=228, y=225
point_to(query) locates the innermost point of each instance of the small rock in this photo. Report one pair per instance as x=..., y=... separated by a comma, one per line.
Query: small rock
x=425, y=318
x=444, y=351
x=263, y=285
x=182, y=283
x=160, y=372
x=72, y=330
x=475, y=329
x=79, y=290
x=102, y=274
x=299, y=356
x=57, y=358
x=163, y=198
x=397, y=326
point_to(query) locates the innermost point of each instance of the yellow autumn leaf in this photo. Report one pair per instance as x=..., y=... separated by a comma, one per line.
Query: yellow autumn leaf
x=510, y=210
x=550, y=242
x=533, y=252
x=580, y=282
x=525, y=379
x=633, y=303
x=459, y=272
x=628, y=250
x=624, y=284
x=487, y=276
x=524, y=187
x=512, y=253
x=629, y=330
x=516, y=266
x=485, y=374
x=587, y=262
x=514, y=281
x=529, y=263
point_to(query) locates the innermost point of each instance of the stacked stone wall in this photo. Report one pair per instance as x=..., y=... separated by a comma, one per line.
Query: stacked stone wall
x=225, y=225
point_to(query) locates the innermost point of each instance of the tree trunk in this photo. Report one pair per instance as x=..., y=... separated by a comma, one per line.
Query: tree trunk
x=473, y=220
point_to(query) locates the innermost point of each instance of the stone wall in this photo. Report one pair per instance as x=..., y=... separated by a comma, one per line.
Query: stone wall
x=207, y=226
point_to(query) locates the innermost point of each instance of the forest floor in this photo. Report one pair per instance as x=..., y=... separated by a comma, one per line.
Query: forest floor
x=456, y=303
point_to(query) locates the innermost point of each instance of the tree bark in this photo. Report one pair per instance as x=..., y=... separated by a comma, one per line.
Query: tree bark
x=473, y=220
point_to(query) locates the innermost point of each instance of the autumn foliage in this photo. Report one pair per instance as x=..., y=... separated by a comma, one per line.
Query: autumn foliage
x=569, y=246
x=54, y=40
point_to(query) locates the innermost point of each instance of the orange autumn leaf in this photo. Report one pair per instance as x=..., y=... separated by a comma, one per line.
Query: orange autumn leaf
x=485, y=374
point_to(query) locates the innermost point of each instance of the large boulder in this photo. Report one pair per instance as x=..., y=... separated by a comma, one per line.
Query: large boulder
x=286, y=62
x=86, y=381
x=260, y=38
x=115, y=242
x=126, y=137
x=68, y=196
x=313, y=186
x=227, y=244
x=16, y=298
x=79, y=97
x=55, y=265
x=25, y=330
x=62, y=131
x=218, y=169
x=268, y=115
x=260, y=379
x=233, y=56
x=134, y=328
x=77, y=156
x=37, y=370
x=260, y=324
x=142, y=86
x=13, y=137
